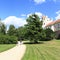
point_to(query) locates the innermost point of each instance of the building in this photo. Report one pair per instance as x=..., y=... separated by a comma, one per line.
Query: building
x=54, y=25
x=46, y=21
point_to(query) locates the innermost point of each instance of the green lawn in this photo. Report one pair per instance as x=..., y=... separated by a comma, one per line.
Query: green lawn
x=49, y=50
x=4, y=47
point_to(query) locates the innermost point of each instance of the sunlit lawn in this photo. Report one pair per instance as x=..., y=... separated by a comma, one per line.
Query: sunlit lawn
x=49, y=50
x=4, y=47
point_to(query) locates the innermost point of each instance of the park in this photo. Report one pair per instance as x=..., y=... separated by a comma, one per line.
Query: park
x=38, y=43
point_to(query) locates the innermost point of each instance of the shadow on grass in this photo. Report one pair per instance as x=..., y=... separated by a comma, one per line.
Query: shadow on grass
x=33, y=43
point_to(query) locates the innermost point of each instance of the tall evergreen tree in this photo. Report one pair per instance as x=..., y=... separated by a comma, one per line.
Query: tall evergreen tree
x=34, y=28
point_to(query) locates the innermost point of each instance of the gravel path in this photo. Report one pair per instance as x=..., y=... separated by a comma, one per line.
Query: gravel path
x=15, y=53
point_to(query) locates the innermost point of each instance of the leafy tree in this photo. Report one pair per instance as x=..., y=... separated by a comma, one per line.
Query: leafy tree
x=21, y=33
x=49, y=34
x=6, y=39
x=34, y=28
x=58, y=36
x=12, y=30
x=2, y=28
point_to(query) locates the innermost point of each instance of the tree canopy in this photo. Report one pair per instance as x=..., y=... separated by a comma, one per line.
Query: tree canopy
x=12, y=30
x=2, y=28
x=34, y=28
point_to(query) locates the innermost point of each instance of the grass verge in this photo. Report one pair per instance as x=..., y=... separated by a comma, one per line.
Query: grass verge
x=4, y=47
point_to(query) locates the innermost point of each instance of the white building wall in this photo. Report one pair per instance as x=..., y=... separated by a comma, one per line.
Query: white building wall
x=46, y=20
x=57, y=26
x=53, y=28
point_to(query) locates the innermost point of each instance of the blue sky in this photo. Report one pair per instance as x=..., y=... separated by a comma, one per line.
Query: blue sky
x=19, y=9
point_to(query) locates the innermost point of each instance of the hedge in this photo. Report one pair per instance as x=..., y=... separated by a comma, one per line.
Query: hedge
x=5, y=39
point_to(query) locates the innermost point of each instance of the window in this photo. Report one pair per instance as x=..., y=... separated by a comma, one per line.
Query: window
x=58, y=25
x=44, y=23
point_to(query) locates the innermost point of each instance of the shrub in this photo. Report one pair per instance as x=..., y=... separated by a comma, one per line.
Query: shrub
x=49, y=34
x=5, y=39
x=58, y=37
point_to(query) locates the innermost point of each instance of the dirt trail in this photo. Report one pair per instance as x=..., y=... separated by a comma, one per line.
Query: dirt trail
x=15, y=53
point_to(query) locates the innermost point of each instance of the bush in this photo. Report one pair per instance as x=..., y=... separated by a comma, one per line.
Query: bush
x=58, y=36
x=49, y=34
x=5, y=39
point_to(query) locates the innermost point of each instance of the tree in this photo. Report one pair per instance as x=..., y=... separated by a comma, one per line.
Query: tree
x=58, y=37
x=49, y=34
x=21, y=33
x=2, y=28
x=34, y=28
x=12, y=30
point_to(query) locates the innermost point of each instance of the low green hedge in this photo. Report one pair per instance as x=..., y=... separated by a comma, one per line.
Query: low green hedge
x=5, y=39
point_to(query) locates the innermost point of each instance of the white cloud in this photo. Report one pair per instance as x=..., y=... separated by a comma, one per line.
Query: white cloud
x=29, y=14
x=58, y=15
x=37, y=13
x=56, y=0
x=15, y=21
x=42, y=1
x=23, y=15
x=39, y=1
x=58, y=12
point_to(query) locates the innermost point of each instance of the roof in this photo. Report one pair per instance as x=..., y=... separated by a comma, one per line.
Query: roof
x=49, y=24
x=53, y=22
x=57, y=21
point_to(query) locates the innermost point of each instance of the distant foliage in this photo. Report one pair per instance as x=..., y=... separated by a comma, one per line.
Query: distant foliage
x=32, y=31
x=58, y=37
x=2, y=28
x=5, y=39
x=21, y=31
x=49, y=34
x=12, y=30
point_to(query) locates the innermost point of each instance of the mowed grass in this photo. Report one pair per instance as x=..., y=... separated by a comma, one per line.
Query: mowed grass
x=4, y=47
x=49, y=50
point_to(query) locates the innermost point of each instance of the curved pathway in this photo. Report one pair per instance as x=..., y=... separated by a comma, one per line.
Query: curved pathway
x=15, y=53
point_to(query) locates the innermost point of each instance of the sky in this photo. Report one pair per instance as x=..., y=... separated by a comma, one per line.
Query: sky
x=16, y=11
